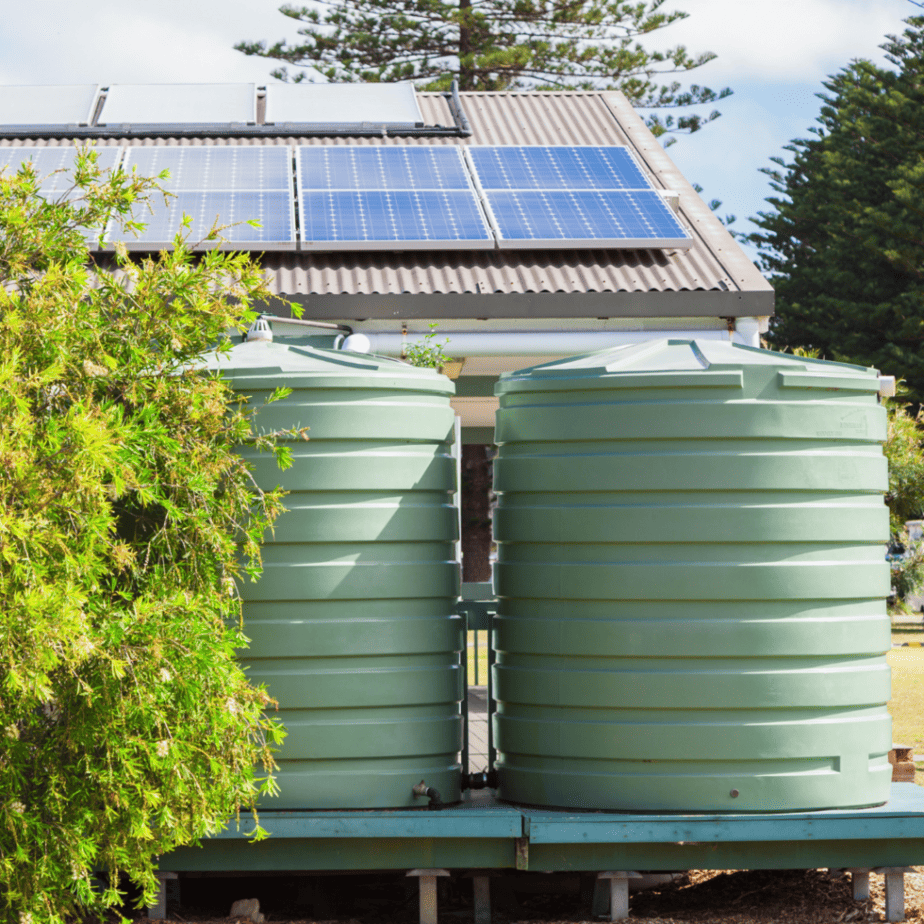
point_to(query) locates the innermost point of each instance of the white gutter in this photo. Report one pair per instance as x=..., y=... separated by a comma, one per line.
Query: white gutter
x=533, y=343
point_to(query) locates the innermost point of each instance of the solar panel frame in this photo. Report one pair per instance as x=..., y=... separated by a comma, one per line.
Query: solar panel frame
x=491, y=197
x=464, y=189
x=207, y=167
x=542, y=166
x=598, y=211
x=206, y=207
x=428, y=210
x=385, y=167
x=194, y=187
x=53, y=161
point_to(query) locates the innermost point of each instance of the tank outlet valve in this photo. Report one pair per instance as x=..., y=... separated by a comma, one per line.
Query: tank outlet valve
x=436, y=800
x=483, y=780
x=886, y=386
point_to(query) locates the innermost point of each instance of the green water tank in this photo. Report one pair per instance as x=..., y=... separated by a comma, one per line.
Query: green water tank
x=352, y=623
x=691, y=581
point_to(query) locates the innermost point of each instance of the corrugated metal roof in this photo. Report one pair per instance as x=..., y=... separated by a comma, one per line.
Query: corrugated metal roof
x=715, y=264
x=488, y=272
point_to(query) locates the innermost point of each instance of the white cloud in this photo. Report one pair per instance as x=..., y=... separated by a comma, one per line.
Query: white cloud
x=62, y=41
x=108, y=41
x=791, y=41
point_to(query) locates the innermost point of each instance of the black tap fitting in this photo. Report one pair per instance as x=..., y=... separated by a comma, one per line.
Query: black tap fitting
x=483, y=780
x=436, y=800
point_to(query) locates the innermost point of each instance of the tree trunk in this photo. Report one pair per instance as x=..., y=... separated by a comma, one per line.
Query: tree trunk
x=466, y=69
x=476, y=514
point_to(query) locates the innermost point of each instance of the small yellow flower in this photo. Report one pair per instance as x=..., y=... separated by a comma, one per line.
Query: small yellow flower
x=94, y=370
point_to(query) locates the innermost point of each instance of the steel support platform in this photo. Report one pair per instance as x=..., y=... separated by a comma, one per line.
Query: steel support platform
x=481, y=833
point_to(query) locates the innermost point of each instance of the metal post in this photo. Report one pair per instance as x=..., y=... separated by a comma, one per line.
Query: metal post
x=477, y=659
x=492, y=706
x=457, y=500
x=465, y=711
x=427, y=878
x=860, y=879
x=619, y=892
x=481, y=886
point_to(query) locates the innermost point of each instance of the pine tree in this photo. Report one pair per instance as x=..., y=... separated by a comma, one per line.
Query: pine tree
x=496, y=45
x=845, y=242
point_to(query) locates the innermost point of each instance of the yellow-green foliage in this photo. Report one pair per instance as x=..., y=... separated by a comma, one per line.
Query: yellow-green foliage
x=126, y=724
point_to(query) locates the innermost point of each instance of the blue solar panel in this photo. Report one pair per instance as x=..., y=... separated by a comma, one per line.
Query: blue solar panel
x=396, y=198
x=366, y=167
x=54, y=164
x=555, y=167
x=585, y=218
x=273, y=209
x=213, y=167
x=227, y=184
x=579, y=196
x=401, y=219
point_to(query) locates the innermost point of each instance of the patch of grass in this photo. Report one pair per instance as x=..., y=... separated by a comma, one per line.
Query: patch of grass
x=907, y=632
x=907, y=704
x=482, y=656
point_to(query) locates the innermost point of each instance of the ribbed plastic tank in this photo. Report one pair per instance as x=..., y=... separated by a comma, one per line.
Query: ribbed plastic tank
x=691, y=581
x=352, y=624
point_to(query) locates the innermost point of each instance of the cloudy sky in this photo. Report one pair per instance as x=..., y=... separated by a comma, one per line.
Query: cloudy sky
x=774, y=54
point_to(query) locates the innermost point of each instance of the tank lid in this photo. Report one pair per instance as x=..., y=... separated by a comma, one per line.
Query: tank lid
x=259, y=359
x=682, y=356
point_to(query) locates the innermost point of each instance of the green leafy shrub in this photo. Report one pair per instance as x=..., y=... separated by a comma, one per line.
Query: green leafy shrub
x=906, y=559
x=127, y=521
x=428, y=352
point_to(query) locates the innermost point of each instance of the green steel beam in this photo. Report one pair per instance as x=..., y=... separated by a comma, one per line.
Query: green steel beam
x=328, y=854
x=497, y=836
x=807, y=854
x=455, y=822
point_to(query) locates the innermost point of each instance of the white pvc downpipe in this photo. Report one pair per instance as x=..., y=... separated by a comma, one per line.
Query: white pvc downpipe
x=544, y=343
x=524, y=343
x=748, y=331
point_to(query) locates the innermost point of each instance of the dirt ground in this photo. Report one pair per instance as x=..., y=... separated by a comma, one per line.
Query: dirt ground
x=724, y=897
